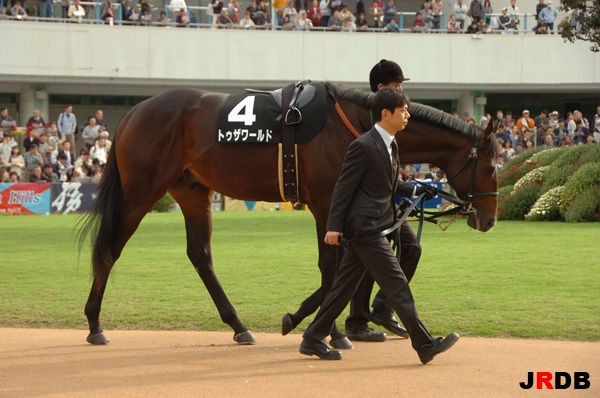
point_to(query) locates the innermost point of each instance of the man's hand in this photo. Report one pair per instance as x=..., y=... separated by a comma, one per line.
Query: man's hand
x=333, y=238
x=429, y=191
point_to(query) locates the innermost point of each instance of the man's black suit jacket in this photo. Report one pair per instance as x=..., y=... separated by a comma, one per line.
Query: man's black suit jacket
x=363, y=198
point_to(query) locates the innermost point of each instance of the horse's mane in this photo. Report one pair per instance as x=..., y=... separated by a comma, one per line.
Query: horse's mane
x=425, y=113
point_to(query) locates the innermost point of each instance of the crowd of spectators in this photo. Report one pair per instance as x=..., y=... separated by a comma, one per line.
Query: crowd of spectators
x=515, y=135
x=546, y=130
x=465, y=16
x=48, y=148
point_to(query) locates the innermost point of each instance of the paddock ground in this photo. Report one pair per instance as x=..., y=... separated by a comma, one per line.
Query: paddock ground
x=59, y=363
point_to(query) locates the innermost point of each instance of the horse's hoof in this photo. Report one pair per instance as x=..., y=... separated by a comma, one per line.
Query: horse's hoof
x=341, y=343
x=287, y=324
x=244, y=338
x=97, y=339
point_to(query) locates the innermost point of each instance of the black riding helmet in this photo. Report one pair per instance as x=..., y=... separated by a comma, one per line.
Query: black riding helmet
x=385, y=72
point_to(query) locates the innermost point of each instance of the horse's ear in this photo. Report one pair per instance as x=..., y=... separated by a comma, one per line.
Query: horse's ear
x=489, y=131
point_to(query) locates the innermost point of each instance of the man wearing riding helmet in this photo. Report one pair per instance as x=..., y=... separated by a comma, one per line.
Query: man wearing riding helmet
x=386, y=74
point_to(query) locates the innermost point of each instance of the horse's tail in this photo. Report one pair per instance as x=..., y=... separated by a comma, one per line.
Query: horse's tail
x=103, y=222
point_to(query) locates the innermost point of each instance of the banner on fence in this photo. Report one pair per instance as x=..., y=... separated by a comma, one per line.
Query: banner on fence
x=73, y=197
x=25, y=198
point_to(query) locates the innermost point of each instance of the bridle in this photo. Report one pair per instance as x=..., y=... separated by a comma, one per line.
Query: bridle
x=462, y=206
x=473, y=154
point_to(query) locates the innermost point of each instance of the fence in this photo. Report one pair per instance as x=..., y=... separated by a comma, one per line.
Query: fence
x=46, y=198
x=201, y=17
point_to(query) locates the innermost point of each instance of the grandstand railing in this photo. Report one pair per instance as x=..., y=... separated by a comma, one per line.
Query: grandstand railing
x=202, y=12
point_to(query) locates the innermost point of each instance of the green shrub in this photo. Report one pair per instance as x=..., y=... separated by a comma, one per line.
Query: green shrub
x=546, y=157
x=547, y=207
x=570, y=155
x=592, y=154
x=519, y=202
x=523, y=156
x=166, y=204
x=503, y=194
x=535, y=176
x=530, y=160
x=555, y=177
x=586, y=176
x=585, y=207
x=509, y=174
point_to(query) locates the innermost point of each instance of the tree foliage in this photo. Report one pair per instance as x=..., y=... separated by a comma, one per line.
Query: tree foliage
x=582, y=22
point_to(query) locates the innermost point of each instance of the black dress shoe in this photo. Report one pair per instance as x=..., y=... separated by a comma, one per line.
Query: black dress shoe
x=341, y=343
x=390, y=323
x=287, y=324
x=436, y=346
x=319, y=349
x=365, y=334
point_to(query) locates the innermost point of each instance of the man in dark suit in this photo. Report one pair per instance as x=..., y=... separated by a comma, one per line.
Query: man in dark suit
x=385, y=74
x=362, y=206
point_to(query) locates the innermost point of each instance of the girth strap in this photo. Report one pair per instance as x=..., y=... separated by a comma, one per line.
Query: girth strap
x=291, y=116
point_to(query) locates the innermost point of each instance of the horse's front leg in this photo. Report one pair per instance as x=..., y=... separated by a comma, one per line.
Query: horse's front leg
x=195, y=203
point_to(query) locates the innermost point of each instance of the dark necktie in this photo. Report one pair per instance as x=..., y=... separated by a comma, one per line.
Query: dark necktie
x=395, y=159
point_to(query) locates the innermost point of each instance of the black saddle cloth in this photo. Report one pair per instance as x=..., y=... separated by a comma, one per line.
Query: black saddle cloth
x=255, y=117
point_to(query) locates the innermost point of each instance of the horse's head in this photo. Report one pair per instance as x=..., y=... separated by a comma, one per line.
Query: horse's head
x=475, y=179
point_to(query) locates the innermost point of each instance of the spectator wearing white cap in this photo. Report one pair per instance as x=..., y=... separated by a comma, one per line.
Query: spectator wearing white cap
x=547, y=16
x=525, y=122
x=504, y=20
x=553, y=120
x=104, y=134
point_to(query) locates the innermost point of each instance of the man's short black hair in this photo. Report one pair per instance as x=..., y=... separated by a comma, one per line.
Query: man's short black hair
x=387, y=98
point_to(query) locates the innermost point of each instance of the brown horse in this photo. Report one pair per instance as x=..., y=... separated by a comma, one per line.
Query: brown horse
x=168, y=144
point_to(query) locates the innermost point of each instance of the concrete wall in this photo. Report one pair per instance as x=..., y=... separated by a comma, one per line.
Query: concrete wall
x=71, y=53
x=40, y=59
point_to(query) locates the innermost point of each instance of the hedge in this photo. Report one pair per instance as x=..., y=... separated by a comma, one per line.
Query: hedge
x=535, y=176
x=519, y=202
x=585, y=207
x=547, y=207
x=511, y=172
x=166, y=204
x=503, y=195
x=571, y=155
x=551, y=184
x=585, y=177
x=546, y=157
x=555, y=177
x=591, y=155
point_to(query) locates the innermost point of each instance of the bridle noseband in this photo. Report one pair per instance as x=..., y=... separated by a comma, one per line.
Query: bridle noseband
x=461, y=206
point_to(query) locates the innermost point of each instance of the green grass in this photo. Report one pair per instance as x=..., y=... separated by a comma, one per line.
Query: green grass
x=522, y=279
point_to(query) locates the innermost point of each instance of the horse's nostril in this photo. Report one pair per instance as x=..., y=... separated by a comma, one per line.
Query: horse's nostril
x=492, y=223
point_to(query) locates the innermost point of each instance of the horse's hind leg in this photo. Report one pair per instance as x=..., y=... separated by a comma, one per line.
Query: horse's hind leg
x=195, y=202
x=128, y=224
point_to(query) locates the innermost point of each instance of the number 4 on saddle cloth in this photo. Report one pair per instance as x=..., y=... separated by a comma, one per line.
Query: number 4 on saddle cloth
x=287, y=117
x=258, y=116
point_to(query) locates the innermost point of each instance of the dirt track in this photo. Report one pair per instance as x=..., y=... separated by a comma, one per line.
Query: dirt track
x=58, y=363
